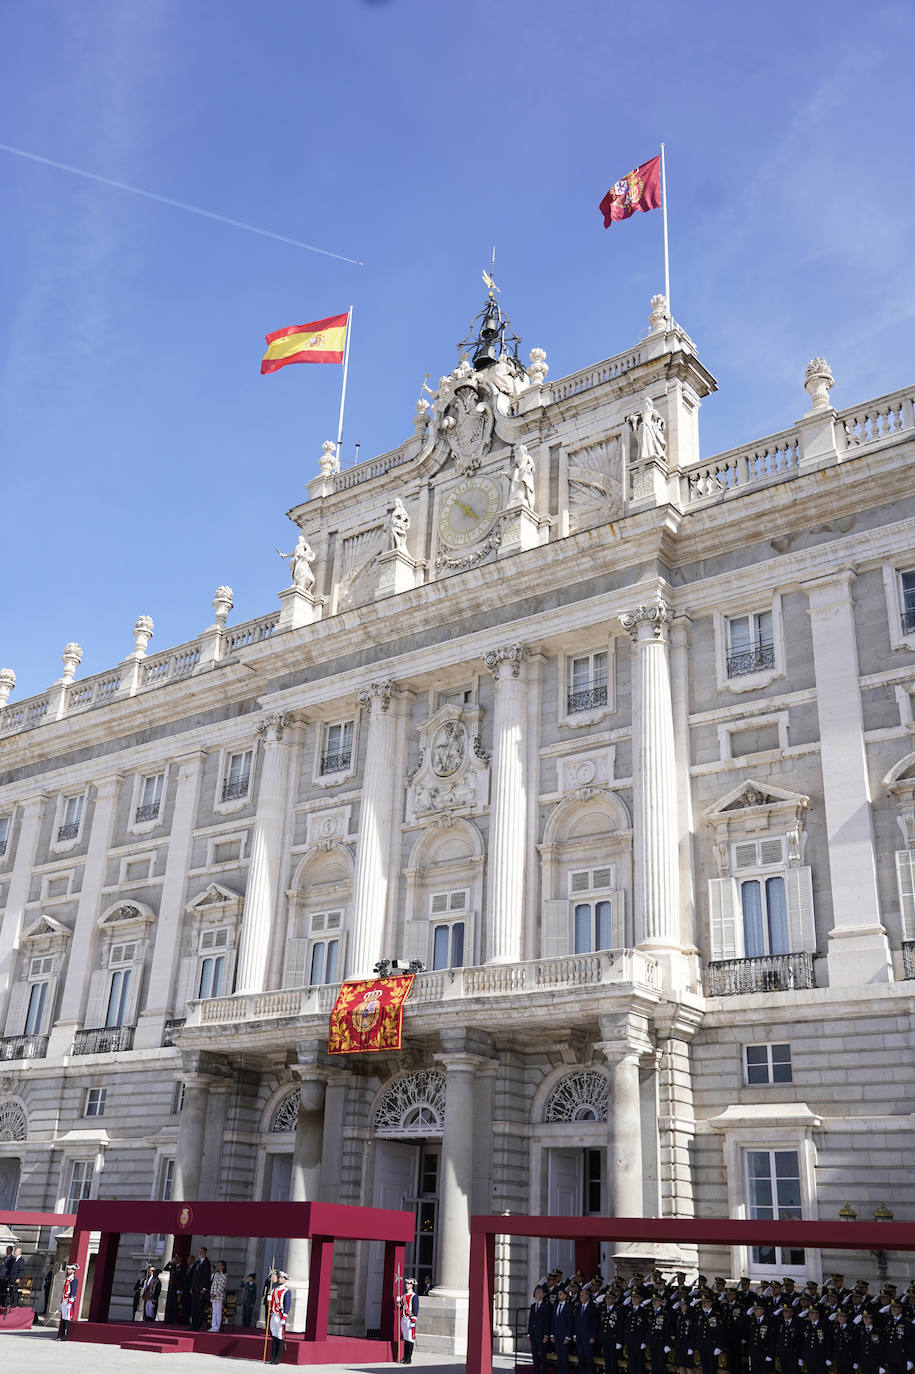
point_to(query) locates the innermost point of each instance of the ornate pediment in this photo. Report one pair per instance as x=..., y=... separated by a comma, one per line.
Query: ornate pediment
x=753, y=809
x=213, y=895
x=453, y=771
x=126, y=914
x=750, y=795
x=46, y=928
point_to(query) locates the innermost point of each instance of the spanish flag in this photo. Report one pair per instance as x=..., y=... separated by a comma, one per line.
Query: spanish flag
x=322, y=341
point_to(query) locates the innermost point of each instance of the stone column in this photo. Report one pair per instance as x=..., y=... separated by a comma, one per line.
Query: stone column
x=306, y=1180
x=262, y=891
x=167, y=948
x=679, y=685
x=33, y=809
x=457, y=1163
x=83, y=944
x=189, y=1151
x=508, y=812
x=657, y=885
x=624, y=1145
x=211, y=1185
x=378, y=811
x=858, y=947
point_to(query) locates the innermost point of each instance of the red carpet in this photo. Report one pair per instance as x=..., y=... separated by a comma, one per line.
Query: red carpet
x=16, y=1318
x=237, y=1343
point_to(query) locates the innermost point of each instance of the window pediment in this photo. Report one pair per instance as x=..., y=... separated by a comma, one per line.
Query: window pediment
x=214, y=895
x=125, y=915
x=753, y=808
x=46, y=928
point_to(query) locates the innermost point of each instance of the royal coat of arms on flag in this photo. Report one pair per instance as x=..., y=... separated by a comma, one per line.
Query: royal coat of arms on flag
x=639, y=189
x=368, y=1015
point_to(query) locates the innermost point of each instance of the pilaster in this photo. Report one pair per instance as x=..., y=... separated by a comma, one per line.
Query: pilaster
x=33, y=810
x=279, y=736
x=82, y=946
x=378, y=809
x=858, y=946
x=504, y=923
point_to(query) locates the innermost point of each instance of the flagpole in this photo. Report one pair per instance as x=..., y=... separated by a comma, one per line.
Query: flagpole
x=666, y=253
x=349, y=330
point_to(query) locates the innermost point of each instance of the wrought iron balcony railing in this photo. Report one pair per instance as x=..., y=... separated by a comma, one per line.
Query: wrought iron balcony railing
x=751, y=660
x=169, y=1029
x=587, y=701
x=103, y=1040
x=2, y=848
x=149, y=812
x=908, y=620
x=23, y=1047
x=908, y=958
x=336, y=763
x=767, y=973
x=68, y=832
x=231, y=791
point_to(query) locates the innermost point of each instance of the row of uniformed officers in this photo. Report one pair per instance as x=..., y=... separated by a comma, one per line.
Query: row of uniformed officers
x=656, y=1327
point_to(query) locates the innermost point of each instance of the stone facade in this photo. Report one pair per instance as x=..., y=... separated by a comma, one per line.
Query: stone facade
x=615, y=739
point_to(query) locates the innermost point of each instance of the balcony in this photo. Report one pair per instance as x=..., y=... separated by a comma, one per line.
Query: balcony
x=336, y=763
x=591, y=700
x=582, y=972
x=169, y=1029
x=908, y=620
x=769, y=973
x=104, y=1040
x=908, y=958
x=150, y=812
x=68, y=832
x=232, y=791
x=2, y=848
x=751, y=660
x=23, y=1047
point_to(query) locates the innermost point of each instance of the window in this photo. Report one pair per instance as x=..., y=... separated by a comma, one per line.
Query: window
x=461, y=696
x=774, y=1194
x=317, y=958
x=587, y=682
x=116, y=1013
x=751, y=643
x=4, y=833
x=907, y=587
x=211, y=981
x=150, y=797
x=238, y=776
x=166, y=1180
x=95, y=1102
x=178, y=1098
x=593, y=901
x=763, y=901
x=72, y=816
x=80, y=1185
x=337, y=754
x=767, y=1064
x=448, y=925
x=40, y=971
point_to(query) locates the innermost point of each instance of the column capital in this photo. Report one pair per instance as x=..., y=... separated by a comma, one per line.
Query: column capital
x=271, y=726
x=649, y=620
x=106, y=788
x=507, y=660
x=378, y=694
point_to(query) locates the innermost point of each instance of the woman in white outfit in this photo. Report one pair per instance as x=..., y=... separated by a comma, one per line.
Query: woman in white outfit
x=218, y=1285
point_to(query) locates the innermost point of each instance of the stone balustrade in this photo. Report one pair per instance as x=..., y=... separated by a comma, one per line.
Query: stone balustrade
x=750, y=466
x=615, y=966
x=589, y=377
x=884, y=418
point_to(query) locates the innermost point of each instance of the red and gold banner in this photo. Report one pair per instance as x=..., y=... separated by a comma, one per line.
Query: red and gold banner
x=322, y=341
x=368, y=1016
x=639, y=189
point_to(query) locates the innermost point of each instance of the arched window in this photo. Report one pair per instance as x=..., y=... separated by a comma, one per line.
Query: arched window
x=286, y=1114
x=14, y=1124
x=412, y=1106
x=580, y=1096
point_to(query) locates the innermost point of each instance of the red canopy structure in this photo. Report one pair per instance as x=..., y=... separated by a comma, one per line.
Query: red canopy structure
x=588, y=1232
x=321, y=1222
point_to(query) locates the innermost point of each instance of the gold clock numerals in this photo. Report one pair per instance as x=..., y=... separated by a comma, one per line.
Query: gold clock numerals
x=468, y=511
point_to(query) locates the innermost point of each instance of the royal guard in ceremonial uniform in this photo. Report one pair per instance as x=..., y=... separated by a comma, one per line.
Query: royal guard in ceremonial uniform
x=408, y=1320
x=280, y=1301
x=68, y=1302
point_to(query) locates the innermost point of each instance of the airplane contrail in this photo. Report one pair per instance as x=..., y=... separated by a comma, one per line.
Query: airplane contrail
x=177, y=204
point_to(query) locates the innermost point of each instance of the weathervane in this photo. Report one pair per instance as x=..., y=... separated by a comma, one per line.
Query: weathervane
x=490, y=277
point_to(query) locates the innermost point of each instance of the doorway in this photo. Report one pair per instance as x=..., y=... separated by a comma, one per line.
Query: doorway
x=575, y=1184
x=406, y=1178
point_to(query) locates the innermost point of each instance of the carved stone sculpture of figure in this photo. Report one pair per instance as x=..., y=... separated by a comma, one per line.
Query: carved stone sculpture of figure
x=396, y=526
x=448, y=749
x=300, y=561
x=648, y=427
x=522, y=482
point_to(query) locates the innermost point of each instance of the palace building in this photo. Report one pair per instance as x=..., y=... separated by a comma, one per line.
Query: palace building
x=613, y=737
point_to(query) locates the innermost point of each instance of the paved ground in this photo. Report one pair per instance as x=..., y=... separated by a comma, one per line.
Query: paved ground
x=36, y=1351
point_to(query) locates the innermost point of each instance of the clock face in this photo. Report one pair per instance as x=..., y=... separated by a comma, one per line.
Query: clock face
x=468, y=511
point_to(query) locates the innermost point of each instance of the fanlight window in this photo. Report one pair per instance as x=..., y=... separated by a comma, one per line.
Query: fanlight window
x=412, y=1106
x=287, y=1114
x=14, y=1124
x=581, y=1096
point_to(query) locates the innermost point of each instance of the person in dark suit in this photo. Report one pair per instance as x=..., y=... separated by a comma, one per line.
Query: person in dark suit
x=563, y=1329
x=587, y=1332
x=248, y=1296
x=14, y=1275
x=199, y=1288
x=539, y=1329
x=176, y=1270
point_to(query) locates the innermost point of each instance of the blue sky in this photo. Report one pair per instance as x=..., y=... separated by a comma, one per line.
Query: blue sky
x=145, y=460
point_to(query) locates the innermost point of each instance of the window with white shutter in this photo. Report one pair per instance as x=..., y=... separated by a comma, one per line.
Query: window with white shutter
x=448, y=944
x=597, y=916
x=324, y=950
x=905, y=879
